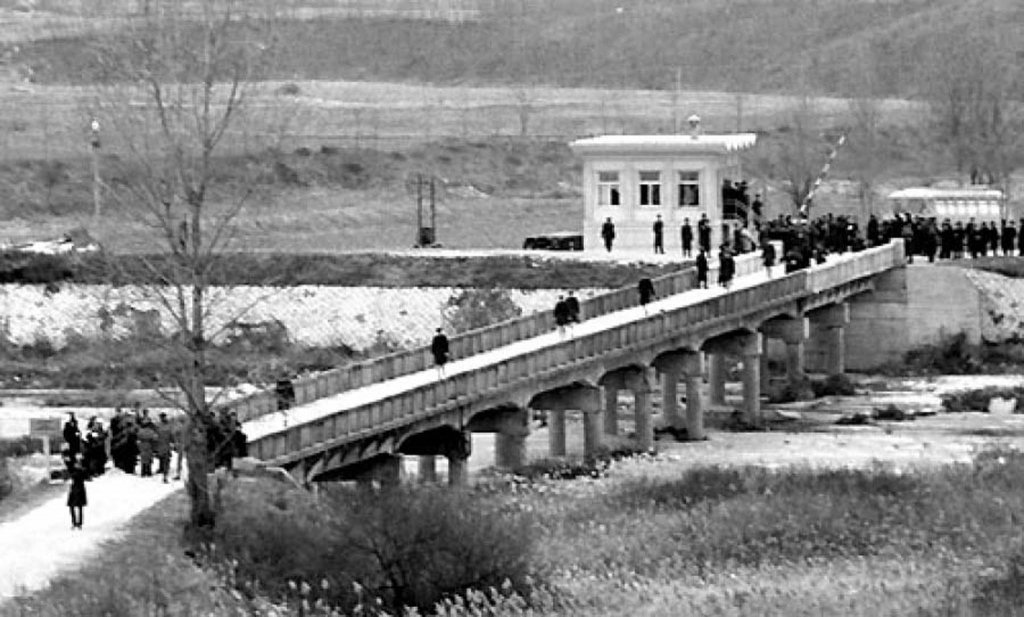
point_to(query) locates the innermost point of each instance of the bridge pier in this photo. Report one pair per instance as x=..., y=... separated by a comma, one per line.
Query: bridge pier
x=579, y=396
x=458, y=469
x=427, y=472
x=670, y=375
x=828, y=338
x=794, y=333
x=385, y=470
x=611, y=410
x=752, y=348
x=716, y=378
x=638, y=380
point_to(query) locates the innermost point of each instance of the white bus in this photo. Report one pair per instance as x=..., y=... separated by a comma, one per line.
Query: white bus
x=982, y=204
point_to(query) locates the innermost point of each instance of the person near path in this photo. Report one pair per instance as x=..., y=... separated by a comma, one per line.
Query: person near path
x=76, y=493
x=147, y=439
x=646, y=290
x=94, y=448
x=439, y=349
x=572, y=304
x=561, y=315
x=659, y=236
x=686, y=235
x=726, y=267
x=72, y=436
x=704, y=233
x=608, y=233
x=164, y=445
x=117, y=438
x=768, y=257
x=1009, y=237
x=702, y=269
x=180, y=433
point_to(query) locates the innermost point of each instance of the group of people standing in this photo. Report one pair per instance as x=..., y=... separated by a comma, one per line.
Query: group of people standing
x=948, y=240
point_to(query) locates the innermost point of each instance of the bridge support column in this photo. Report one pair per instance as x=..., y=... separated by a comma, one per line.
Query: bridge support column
x=752, y=378
x=385, y=470
x=579, y=396
x=830, y=326
x=766, y=374
x=591, y=432
x=427, y=469
x=611, y=410
x=458, y=469
x=793, y=333
x=638, y=380
x=716, y=377
x=556, y=433
x=510, y=441
x=693, y=372
x=670, y=375
x=644, y=425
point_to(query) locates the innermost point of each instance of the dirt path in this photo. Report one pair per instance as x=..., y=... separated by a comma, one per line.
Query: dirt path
x=40, y=543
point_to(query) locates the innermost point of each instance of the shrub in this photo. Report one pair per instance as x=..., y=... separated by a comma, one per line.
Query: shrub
x=19, y=446
x=952, y=355
x=405, y=546
x=978, y=399
x=833, y=385
x=476, y=308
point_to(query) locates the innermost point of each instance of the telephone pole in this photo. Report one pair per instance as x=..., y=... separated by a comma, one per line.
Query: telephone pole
x=95, y=149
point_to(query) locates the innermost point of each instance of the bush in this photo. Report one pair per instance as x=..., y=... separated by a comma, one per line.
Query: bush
x=978, y=398
x=833, y=385
x=476, y=308
x=407, y=547
x=952, y=355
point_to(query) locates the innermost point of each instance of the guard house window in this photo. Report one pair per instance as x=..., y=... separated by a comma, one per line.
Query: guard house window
x=689, y=189
x=608, y=190
x=650, y=188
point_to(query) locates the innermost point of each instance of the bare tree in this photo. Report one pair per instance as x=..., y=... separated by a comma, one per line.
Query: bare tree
x=974, y=89
x=794, y=158
x=174, y=82
x=865, y=140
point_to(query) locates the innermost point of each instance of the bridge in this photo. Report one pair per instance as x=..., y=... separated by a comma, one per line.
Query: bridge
x=356, y=423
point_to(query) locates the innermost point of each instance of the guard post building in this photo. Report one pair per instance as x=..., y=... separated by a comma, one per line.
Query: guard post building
x=631, y=179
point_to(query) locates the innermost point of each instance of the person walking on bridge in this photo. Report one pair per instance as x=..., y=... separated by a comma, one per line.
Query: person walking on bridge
x=659, y=236
x=768, y=256
x=572, y=305
x=562, y=315
x=726, y=267
x=439, y=349
x=646, y=290
x=702, y=269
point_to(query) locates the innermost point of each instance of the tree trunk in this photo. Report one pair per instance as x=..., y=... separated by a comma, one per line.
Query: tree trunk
x=202, y=514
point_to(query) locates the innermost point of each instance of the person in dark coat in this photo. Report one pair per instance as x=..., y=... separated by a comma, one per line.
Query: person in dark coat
x=704, y=233
x=659, y=236
x=702, y=269
x=164, y=444
x=768, y=257
x=1009, y=238
x=726, y=268
x=686, y=235
x=959, y=237
x=873, y=235
x=1020, y=238
x=72, y=436
x=572, y=304
x=439, y=349
x=646, y=290
x=608, y=233
x=993, y=238
x=561, y=315
x=147, y=439
x=76, y=493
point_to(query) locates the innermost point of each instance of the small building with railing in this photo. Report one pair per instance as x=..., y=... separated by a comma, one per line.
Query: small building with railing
x=634, y=179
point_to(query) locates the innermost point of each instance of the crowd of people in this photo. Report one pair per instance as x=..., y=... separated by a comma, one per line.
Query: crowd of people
x=134, y=442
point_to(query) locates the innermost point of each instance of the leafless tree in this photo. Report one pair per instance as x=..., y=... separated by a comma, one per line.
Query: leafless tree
x=864, y=136
x=174, y=82
x=975, y=89
x=795, y=156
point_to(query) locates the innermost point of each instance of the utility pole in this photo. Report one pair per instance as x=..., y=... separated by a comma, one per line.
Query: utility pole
x=95, y=149
x=675, y=99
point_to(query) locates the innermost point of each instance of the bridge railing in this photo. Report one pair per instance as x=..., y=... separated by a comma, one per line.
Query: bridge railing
x=405, y=407
x=383, y=368
x=861, y=264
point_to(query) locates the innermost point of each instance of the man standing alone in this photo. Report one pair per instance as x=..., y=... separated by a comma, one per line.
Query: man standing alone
x=608, y=233
x=439, y=349
x=686, y=231
x=659, y=236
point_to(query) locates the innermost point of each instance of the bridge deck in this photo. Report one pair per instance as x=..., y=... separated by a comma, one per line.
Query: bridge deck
x=352, y=399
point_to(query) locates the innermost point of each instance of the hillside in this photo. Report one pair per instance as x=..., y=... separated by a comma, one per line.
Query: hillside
x=746, y=45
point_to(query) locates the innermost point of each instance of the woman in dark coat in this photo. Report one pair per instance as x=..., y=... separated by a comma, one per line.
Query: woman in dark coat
x=76, y=495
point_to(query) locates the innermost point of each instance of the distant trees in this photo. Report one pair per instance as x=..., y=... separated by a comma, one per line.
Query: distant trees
x=796, y=152
x=974, y=88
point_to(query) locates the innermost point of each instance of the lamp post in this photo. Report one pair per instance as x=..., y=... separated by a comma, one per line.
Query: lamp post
x=94, y=143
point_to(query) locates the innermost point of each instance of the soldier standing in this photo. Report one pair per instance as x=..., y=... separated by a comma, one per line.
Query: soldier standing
x=608, y=233
x=659, y=236
x=686, y=233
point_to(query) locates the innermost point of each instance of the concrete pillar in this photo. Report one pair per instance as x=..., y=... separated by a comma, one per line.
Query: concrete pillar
x=794, y=361
x=752, y=379
x=670, y=395
x=766, y=375
x=644, y=426
x=510, y=450
x=458, y=469
x=716, y=375
x=836, y=351
x=611, y=410
x=591, y=432
x=556, y=433
x=694, y=407
x=427, y=469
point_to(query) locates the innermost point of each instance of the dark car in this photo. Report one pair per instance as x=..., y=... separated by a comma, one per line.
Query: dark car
x=557, y=241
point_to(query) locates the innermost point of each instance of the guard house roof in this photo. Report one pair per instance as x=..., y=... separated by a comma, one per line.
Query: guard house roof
x=932, y=193
x=664, y=144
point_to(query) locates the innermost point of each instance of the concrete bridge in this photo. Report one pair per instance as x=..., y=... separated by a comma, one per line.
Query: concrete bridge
x=398, y=406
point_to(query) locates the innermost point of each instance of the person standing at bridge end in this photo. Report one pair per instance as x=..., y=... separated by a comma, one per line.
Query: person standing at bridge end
x=562, y=315
x=608, y=233
x=439, y=349
x=768, y=256
x=686, y=235
x=659, y=236
x=702, y=269
x=646, y=290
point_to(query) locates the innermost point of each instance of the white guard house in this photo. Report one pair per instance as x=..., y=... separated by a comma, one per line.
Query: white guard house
x=634, y=178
